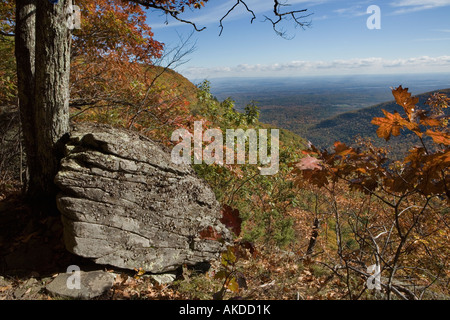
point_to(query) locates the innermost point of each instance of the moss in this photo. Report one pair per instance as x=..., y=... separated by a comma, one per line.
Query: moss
x=197, y=287
x=319, y=270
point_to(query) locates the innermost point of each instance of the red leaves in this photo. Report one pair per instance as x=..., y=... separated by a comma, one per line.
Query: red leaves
x=117, y=27
x=210, y=234
x=309, y=163
x=231, y=219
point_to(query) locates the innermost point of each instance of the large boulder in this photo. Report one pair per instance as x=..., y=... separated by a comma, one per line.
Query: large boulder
x=125, y=203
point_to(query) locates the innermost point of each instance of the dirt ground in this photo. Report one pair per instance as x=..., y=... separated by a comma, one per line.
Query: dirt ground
x=31, y=251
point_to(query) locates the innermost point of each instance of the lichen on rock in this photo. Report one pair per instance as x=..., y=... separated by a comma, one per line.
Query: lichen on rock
x=124, y=203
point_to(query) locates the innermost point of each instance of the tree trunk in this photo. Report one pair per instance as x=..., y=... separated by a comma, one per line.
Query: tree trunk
x=44, y=92
x=24, y=50
x=313, y=239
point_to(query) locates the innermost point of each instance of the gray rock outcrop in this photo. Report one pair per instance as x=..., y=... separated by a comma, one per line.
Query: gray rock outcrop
x=91, y=285
x=124, y=203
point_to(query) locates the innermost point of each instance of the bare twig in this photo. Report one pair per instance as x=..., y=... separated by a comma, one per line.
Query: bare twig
x=172, y=12
x=232, y=8
x=296, y=15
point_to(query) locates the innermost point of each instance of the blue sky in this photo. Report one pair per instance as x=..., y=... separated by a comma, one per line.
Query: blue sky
x=414, y=38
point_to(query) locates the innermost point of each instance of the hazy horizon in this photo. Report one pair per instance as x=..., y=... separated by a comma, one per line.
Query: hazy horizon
x=317, y=76
x=413, y=37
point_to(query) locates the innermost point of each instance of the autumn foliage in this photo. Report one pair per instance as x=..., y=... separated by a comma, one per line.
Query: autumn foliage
x=318, y=224
x=400, y=221
x=424, y=170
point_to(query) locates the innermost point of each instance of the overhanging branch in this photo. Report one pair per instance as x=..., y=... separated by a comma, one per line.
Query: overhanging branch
x=296, y=15
x=174, y=13
x=229, y=11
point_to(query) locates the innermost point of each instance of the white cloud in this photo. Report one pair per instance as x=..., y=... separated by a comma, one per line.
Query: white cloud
x=406, y=6
x=349, y=66
x=432, y=39
x=354, y=11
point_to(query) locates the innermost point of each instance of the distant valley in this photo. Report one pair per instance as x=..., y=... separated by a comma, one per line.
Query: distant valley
x=327, y=109
x=350, y=125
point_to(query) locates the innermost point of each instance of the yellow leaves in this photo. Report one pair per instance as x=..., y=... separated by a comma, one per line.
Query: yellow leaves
x=198, y=5
x=228, y=257
x=233, y=285
x=139, y=273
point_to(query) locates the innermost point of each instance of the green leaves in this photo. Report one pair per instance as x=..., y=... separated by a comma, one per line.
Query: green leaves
x=228, y=257
x=251, y=112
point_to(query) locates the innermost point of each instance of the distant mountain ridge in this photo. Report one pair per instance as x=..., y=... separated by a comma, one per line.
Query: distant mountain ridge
x=349, y=125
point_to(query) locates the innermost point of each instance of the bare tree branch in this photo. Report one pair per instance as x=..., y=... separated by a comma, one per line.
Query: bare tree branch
x=295, y=15
x=4, y=34
x=229, y=11
x=172, y=12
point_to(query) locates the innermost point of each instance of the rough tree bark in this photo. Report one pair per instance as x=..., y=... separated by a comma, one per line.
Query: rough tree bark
x=25, y=53
x=313, y=239
x=43, y=64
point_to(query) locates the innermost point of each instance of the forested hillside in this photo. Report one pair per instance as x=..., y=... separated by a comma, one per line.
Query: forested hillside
x=350, y=125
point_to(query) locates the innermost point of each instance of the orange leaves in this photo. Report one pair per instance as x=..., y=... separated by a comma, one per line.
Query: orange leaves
x=117, y=27
x=438, y=102
x=341, y=149
x=425, y=170
x=404, y=99
x=390, y=125
x=430, y=122
x=198, y=5
x=439, y=137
